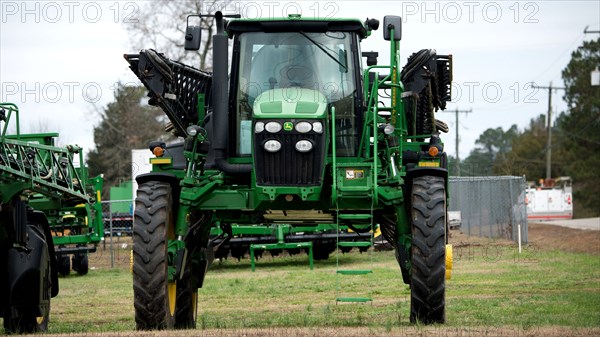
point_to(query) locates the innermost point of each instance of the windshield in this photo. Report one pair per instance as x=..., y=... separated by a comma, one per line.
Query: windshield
x=316, y=61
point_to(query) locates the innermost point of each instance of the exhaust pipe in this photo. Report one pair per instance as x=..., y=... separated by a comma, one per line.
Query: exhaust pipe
x=220, y=101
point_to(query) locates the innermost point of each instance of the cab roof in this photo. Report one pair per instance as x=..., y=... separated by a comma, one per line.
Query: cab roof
x=295, y=23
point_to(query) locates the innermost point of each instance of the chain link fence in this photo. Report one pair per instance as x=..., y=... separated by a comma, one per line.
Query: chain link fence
x=117, y=217
x=490, y=206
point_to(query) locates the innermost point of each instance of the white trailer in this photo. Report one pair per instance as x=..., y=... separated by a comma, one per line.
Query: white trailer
x=551, y=200
x=140, y=164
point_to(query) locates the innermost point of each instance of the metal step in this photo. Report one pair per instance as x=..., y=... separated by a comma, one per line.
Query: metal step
x=343, y=216
x=354, y=299
x=354, y=271
x=355, y=244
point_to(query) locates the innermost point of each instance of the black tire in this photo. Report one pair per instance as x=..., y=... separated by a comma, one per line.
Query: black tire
x=153, y=226
x=81, y=264
x=64, y=265
x=187, y=301
x=322, y=249
x=27, y=322
x=428, y=214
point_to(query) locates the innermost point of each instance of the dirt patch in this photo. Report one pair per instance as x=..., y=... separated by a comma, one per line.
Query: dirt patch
x=550, y=237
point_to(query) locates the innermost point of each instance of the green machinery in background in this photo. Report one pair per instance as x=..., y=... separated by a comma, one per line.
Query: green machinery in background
x=297, y=139
x=49, y=211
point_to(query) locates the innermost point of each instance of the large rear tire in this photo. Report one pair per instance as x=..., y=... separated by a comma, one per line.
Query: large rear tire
x=24, y=320
x=428, y=214
x=153, y=227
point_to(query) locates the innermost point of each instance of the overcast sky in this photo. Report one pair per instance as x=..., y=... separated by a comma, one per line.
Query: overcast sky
x=59, y=60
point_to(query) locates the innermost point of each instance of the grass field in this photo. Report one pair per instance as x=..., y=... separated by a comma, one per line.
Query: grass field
x=493, y=291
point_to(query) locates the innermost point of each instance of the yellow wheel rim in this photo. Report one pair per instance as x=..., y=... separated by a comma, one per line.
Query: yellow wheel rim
x=448, y=262
x=172, y=288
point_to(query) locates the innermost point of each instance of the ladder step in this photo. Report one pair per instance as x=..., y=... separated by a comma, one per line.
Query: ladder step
x=354, y=216
x=354, y=244
x=354, y=299
x=354, y=271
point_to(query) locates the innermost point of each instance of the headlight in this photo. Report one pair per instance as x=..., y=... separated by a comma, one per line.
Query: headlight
x=259, y=127
x=273, y=127
x=192, y=130
x=272, y=145
x=304, y=146
x=303, y=127
x=389, y=129
x=317, y=127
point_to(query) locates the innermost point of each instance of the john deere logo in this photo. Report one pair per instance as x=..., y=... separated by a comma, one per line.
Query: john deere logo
x=288, y=126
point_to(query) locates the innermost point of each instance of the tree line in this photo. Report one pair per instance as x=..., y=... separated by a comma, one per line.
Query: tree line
x=575, y=139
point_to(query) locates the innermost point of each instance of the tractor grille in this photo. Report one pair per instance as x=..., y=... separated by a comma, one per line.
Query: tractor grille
x=288, y=167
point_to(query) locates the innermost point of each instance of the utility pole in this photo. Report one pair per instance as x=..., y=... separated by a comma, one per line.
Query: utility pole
x=457, y=161
x=549, y=138
x=595, y=74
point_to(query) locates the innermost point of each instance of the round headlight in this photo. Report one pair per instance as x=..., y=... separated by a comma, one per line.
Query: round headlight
x=304, y=146
x=273, y=127
x=317, y=127
x=389, y=129
x=259, y=127
x=303, y=127
x=192, y=130
x=272, y=145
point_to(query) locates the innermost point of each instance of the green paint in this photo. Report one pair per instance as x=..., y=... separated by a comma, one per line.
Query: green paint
x=291, y=102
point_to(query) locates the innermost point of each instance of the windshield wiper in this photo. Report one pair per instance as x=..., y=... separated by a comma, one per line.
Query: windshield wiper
x=325, y=51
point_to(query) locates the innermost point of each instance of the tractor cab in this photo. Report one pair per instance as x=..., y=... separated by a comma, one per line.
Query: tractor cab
x=286, y=76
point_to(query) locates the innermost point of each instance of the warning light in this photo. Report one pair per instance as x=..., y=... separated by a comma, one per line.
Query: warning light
x=433, y=151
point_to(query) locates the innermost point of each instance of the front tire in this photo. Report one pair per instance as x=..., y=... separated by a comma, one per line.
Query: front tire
x=25, y=320
x=428, y=215
x=153, y=227
x=187, y=301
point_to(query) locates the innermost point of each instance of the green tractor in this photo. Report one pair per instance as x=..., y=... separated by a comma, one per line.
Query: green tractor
x=294, y=133
x=42, y=193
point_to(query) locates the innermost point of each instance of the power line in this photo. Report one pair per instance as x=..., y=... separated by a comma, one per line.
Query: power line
x=457, y=112
x=550, y=88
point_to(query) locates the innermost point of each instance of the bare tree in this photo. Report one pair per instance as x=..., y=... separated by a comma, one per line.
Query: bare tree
x=160, y=25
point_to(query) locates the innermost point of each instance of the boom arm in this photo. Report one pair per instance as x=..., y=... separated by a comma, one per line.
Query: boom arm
x=172, y=86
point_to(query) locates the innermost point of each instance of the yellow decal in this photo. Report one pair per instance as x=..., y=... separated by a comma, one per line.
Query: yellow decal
x=429, y=164
x=158, y=161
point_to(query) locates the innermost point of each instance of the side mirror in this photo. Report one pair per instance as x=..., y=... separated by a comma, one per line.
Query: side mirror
x=193, y=35
x=392, y=22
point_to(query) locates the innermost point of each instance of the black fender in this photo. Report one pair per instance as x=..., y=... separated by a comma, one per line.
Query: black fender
x=39, y=217
x=169, y=178
x=427, y=171
x=415, y=172
x=28, y=274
